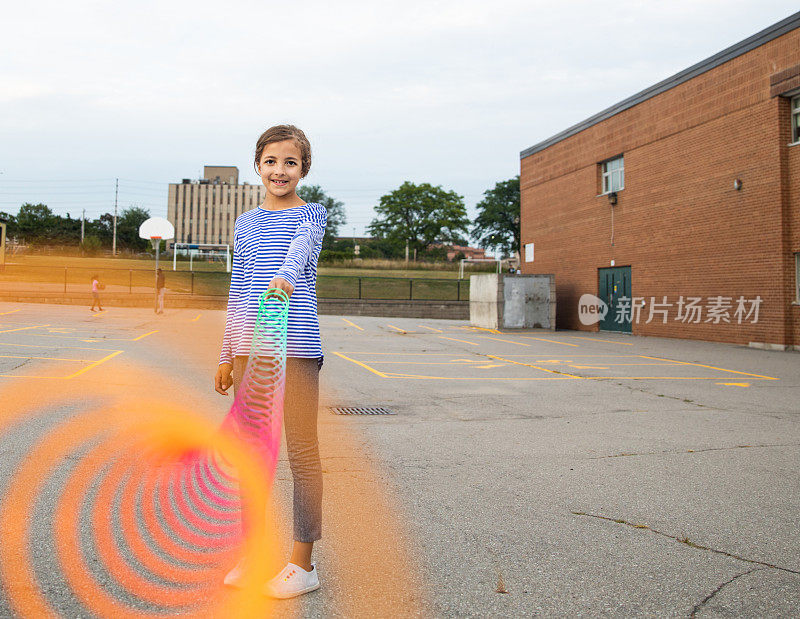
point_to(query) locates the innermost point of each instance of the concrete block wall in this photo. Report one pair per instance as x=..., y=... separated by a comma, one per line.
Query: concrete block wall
x=488, y=300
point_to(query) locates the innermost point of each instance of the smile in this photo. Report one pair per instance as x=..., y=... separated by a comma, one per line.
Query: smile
x=281, y=183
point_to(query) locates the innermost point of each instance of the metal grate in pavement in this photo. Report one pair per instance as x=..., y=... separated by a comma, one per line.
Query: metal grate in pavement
x=360, y=410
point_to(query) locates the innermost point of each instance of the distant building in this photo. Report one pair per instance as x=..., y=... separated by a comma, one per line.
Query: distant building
x=469, y=252
x=357, y=239
x=204, y=210
x=452, y=250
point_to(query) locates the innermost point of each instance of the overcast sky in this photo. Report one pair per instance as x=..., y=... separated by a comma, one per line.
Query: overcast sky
x=442, y=92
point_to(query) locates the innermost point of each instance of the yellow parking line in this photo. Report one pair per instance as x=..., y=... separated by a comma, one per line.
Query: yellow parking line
x=396, y=354
x=497, y=339
x=431, y=328
x=64, y=337
x=398, y=328
x=666, y=377
x=711, y=367
x=469, y=363
x=195, y=318
x=31, y=376
x=46, y=358
x=638, y=364
x=352, y=324
x=541, y=339
x=363, y=365
x=595, y=339
x=11, y=324
x=417, y=376
x=94, y=365
x=457, y=340
x=141, y=337
x=11, y=312
x=470, y=327
x=91, y=338
x=68, y=347
x=533, y=366
x=23, y=328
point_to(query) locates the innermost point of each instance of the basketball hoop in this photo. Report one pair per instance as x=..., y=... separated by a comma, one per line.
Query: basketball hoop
x=156, y=229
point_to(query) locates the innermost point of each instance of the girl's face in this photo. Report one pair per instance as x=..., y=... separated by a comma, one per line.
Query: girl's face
x=280, y=167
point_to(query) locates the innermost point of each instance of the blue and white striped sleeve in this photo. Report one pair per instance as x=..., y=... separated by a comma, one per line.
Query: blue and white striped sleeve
x=308, y=235
x=237, y=275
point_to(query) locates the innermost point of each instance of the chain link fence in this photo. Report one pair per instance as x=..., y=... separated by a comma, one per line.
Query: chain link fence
x=72, y=279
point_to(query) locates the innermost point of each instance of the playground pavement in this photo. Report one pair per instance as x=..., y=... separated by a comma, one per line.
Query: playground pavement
x=521, y=473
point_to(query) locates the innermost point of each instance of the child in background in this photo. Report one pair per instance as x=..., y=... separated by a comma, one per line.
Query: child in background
x=96, y=288
x=277, y=245
x=160, y=290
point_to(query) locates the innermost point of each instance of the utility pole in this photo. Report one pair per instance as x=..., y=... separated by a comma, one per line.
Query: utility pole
x=114, y=242
x=83, y=221
x=406, y=250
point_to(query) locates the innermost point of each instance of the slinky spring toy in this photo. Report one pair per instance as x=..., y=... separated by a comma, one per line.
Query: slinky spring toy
x=257, y=409
x=172, y=502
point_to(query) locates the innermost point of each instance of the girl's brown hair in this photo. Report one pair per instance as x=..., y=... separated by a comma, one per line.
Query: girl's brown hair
x=279, y=133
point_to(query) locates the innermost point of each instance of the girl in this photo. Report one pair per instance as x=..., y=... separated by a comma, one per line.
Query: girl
x=277, y=246
x=96, y=288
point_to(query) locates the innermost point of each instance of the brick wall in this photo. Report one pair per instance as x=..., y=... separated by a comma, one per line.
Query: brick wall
x=679, y=223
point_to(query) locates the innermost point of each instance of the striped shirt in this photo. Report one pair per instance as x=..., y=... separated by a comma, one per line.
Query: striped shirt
x=269, y=244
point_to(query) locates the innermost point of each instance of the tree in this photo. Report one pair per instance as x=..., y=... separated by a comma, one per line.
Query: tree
x=64, y=230
x=497, y=224
x=34, y=222
x=91, y=245
x=422, y=215
x=11, y=223
x=128, y=224
x=336, y=215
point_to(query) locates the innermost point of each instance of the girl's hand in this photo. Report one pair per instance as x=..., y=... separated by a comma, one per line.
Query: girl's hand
x=281, y=283
x=223, y=379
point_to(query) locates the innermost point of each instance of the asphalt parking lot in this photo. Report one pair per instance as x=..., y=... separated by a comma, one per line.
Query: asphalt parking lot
x=526, y=473
x=585, y=474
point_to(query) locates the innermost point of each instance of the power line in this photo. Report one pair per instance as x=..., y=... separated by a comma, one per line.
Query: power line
x=139, y=180
x=53, y=181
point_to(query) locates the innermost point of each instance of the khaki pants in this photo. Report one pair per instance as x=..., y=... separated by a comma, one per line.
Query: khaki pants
x=300, y=404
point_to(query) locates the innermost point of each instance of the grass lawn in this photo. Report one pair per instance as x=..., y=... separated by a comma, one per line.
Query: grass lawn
x=105, y=262
x=378, y=281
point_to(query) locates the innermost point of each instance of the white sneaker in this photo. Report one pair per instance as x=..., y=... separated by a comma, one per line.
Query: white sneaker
x=235, y=578
x=292, y=581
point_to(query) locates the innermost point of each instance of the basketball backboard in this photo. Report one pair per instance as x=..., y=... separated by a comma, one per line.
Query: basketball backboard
x=157, y=228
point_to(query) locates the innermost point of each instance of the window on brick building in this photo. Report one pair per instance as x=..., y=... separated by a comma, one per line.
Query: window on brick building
x=796, y=119
x=613, y=172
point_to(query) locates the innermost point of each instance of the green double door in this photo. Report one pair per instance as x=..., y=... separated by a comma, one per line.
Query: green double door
x=614, y=283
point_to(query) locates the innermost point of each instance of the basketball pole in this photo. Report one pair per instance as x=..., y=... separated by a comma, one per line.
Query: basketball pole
x=156, y=241
x=2, y=247
x=156, y=229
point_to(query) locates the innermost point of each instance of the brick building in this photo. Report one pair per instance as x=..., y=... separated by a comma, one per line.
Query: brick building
x=454, y=250
x=679, y=207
